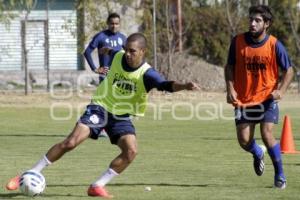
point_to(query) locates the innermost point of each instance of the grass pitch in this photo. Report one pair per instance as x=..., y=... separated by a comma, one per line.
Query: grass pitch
x=187, y=159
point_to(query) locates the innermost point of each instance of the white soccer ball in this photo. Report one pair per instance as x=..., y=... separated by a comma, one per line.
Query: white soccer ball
x=32, y=183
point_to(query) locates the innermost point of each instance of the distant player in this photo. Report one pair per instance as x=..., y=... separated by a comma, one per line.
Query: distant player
x=121, y=94
x=111, y=38
x=252, y=81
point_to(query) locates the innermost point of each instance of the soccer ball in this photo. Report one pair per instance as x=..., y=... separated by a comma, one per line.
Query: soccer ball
x=32, y=183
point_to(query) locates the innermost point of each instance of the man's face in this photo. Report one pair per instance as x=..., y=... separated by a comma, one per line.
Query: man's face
x=257, y=25
x=114, y=24
x=134, y=54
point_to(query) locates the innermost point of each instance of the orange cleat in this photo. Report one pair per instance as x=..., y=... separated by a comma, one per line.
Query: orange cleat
x=98, y=191
x=13, y=184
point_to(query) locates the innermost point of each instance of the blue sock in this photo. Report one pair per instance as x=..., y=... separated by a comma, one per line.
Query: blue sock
x=254, y=149
x=275, y=154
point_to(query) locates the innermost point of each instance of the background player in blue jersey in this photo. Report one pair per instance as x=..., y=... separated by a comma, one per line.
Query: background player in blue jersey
x=111, y=38
x=130, y=77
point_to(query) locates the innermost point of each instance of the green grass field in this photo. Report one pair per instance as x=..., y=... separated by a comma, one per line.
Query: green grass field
x=179, y=159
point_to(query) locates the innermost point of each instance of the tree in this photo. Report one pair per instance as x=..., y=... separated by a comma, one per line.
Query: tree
x=95, y=13
x=293, y=16
x=209, y=36
x=6, y=15
x=168, y=35
x=235, y=11
x=6, y=6
x=286, y=27
x=27, y=6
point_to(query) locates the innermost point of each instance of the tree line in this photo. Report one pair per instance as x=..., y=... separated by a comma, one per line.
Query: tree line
x=207, y=26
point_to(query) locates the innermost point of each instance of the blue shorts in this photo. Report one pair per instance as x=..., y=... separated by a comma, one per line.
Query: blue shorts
x=97, y=119
x=267, y=111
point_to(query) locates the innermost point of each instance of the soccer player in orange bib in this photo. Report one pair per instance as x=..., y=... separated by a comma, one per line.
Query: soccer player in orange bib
x=254, y=89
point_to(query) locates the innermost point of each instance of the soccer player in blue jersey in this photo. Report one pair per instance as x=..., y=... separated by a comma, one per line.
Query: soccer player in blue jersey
x=121, y=94
x=253, y=88
x=111, y=38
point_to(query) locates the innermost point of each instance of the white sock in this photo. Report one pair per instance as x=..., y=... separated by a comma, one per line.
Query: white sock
x=41, y=164
x=107, y=176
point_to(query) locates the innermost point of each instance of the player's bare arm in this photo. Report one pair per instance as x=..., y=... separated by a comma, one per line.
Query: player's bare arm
x=287, y=77
x=176, y=86
x=231, y=93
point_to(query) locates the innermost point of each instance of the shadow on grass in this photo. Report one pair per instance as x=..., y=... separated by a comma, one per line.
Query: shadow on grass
x=293, y=164
x=30, y=135
x=159, y=184
x=217, y=138
x=63, y=195
x=136, y=184
x=42, y=135
x=12, y=195
x=21, y=196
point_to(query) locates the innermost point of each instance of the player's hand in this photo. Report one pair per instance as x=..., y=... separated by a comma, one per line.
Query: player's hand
x=105, y=50
x=102, y=70
x=191, y=86
x=276, y=95
x=232, y=97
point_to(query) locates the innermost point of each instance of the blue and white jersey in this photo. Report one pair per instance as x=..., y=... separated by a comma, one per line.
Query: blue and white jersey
x=105, y=38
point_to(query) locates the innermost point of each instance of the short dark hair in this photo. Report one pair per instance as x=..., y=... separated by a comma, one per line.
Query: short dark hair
x=265, y=12
x=138, y=37
x=112, y=15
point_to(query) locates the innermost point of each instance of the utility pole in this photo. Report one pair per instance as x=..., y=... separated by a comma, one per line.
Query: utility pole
x=24, y=46
x=179, y=21
x=24, y=54
x=47, y=46
x=154, y=35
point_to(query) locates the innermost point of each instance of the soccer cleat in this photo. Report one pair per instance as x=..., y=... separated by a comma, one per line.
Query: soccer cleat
x=13, y=184
x=103, y=133
x=258, y=163
x=98, y=191
x=280, y=182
